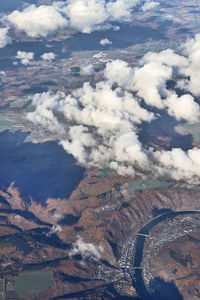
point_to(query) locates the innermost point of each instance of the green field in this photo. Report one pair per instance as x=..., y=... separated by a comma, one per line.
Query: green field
x=134, y=186
x=26, y=284
x=11, y=295
x=107, y=172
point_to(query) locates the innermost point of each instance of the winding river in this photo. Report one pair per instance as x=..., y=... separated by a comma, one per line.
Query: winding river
x=139, y=283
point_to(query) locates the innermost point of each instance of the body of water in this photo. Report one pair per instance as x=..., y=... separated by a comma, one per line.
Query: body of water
x=39, y=170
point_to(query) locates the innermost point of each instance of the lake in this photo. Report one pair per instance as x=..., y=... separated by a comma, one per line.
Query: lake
x=39, y=170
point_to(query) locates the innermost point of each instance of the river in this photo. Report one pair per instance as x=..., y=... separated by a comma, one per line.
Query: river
x=139, y=283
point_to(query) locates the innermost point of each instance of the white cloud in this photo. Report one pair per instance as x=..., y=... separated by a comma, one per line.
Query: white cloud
x=25, y=57
x=192, y=70
x=23, y=54
x=183, y=108
x=121, y=9
x=80, y=139
x=127, y=148
x=4, y=38
x=119, y=72
x=54, y=230
x=167, y=57
x=37, y=21
x=105, y=42
x=83, y=15
x=87, y=70
x=87, y=250
x=107, y=117
x=48, y=56
x=149, y=5
x=43, y=115
x=99, y=125
x=180, y=164
x=149, y=82
x=187, y=63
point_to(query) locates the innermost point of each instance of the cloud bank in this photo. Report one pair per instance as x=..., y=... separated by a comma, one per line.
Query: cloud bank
x=104, y=123
x=83, y=15
x=99, y=125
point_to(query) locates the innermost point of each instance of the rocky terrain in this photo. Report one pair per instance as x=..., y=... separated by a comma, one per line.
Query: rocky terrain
x=106, y=212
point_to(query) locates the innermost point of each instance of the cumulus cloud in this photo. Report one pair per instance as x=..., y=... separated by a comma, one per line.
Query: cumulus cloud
x=86, y=250
x=87, y=15
x=104, y=124
x=105, y=42
x=37, y=21
x=186, y=63
x=80, y=139
x=48, y=56
x=54, y=230
x=99, y=125
x=183, y=108
x=4, y=38
x=25, y=57
x=149, y=5
x=192, y=70
x=180, y=164
x=44, y=115
x=167, y=57
x=83, y=15
x=149, y=82
x=121, y=9
x=87, y=69
x=118, y=72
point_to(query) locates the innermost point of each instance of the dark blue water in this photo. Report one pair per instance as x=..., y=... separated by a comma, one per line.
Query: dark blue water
x=8, y=53
x=39, y=170
x=164, y=126
x=128, y=35
x=8, y=6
